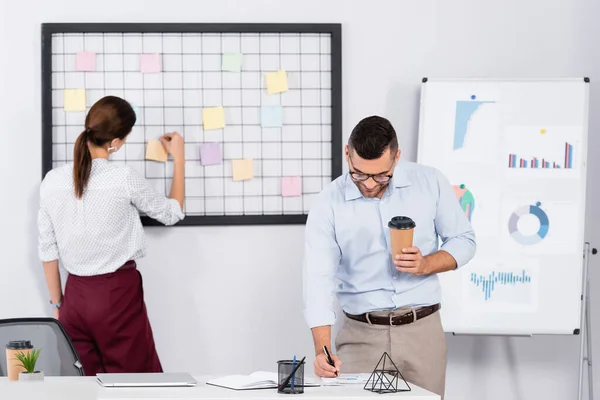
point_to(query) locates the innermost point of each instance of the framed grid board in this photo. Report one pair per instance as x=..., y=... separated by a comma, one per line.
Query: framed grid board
x=258, y=105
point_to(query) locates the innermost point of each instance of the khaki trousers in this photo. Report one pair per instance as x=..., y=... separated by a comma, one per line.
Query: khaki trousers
x=418, y=349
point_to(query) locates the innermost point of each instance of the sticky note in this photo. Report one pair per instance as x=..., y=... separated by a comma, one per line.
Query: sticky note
x=210, y=153
x=276, y=82
x=291, y=186
x=86, y=61
x=243, y=169
x=74, y=99
x=213, y=118
x=271, y=116
x=156, y=152
x=150, y=63
x=231, y=62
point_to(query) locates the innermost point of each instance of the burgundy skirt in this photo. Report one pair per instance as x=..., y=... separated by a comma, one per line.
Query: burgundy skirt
x=106, y=319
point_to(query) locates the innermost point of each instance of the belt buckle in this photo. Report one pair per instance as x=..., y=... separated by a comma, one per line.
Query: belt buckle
x=413, y=312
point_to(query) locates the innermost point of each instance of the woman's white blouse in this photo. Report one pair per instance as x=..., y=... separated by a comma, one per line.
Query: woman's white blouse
x=100, y=232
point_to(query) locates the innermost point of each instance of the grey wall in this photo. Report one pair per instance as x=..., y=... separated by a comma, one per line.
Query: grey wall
x=213, y=289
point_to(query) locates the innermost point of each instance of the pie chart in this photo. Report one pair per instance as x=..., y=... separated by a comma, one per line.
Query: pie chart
x=537, y=212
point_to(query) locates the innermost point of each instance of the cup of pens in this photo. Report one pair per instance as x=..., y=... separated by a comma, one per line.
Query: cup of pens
x=290, y=376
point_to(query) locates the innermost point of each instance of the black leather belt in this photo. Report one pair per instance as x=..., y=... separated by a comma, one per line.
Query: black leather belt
x=394, y=320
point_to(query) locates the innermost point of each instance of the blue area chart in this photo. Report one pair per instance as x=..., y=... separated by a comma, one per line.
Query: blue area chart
x=537, y=212
x=487, y=284
x=464, y=112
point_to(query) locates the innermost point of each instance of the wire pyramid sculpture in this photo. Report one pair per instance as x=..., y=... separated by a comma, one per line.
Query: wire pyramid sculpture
x=384, y=378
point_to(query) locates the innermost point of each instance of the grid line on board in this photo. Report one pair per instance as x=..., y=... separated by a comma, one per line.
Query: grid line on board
x=302, y=113
x=201, y=78
x=297, y=148
x=242, y=123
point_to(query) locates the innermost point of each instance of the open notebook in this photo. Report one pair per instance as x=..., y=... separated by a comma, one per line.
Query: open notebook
x=256, y=380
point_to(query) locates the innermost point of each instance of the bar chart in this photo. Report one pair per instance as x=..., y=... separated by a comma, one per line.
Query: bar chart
x=494, y=280
x=514, y=161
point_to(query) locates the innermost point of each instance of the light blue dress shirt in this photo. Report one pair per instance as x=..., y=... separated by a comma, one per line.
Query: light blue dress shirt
x=347, y=245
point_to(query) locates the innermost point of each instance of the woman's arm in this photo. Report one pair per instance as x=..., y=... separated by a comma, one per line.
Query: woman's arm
x=178, y=183
x=152, y=202
x=173, y=143
x=54, y=283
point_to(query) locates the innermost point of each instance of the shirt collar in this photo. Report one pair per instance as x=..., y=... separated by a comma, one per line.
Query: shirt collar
x=399, y=180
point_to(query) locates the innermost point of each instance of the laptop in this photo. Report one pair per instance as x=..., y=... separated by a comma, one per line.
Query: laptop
x=171, y=379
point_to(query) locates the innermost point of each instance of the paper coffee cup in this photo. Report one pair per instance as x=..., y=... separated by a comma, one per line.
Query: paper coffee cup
x=13, y=348
x=401, y=234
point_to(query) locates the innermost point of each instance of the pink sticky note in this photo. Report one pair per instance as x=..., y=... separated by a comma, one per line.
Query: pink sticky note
x=210, y=153
x=86, y=61
x=150, y=63
x=291, y=186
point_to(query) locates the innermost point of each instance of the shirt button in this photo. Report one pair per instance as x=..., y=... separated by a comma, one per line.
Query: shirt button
x=395, y=277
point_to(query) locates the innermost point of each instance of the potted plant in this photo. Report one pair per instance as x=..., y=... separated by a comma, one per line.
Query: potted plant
x=28, y=361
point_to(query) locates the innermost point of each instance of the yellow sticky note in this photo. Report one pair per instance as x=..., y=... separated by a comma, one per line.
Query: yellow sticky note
x=276, y=82
x=156, y=151
x=243, y=169
x=74, y=99
x=213, y=118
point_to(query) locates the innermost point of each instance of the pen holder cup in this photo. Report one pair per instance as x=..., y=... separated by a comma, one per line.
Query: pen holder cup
x=296, y=383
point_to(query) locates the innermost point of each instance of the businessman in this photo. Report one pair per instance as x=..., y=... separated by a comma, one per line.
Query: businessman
x=390, y=304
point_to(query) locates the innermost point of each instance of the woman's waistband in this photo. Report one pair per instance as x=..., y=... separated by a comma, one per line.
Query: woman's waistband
x=129, y=265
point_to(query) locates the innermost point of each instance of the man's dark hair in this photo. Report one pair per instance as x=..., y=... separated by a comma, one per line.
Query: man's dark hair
x=372, y=136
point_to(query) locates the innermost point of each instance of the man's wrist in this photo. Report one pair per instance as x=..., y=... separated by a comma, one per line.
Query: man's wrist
x=441, y=258
x=428, y=265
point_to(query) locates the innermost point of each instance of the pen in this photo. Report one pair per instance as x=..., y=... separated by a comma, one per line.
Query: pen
x=293, y=367
x=329, y=359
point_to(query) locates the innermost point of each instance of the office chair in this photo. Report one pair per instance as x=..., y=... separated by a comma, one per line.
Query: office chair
x=57, y=357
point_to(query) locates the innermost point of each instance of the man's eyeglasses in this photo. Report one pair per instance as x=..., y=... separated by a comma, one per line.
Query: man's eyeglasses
x=361, y=177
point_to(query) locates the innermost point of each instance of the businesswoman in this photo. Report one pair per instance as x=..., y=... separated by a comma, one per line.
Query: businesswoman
x=89, y=220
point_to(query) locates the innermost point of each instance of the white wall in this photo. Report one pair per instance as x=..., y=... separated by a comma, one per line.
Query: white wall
x=206, y=286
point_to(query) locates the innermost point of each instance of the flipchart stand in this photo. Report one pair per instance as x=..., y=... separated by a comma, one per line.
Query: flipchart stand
x=585, y=350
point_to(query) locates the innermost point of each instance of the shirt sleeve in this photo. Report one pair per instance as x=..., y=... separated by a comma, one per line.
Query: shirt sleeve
x=47, y=246
x=452, y=225
x=151, y=202
x=321, y=259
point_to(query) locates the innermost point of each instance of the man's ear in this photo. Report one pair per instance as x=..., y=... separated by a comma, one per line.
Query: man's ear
x=346, y=152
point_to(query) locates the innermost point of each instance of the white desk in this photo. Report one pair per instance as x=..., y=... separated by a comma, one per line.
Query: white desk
x=86, y=388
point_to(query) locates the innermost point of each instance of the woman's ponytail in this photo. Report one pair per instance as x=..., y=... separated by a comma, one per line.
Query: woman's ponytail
x=82, y=163
x=109, y=118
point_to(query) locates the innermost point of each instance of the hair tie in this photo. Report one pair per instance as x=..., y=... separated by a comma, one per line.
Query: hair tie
x=88, y=131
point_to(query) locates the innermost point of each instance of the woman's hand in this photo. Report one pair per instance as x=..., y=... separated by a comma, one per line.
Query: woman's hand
x=173, y=143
